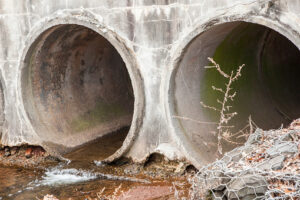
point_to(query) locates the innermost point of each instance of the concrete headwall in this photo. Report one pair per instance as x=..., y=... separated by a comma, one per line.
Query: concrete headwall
x=156, y=40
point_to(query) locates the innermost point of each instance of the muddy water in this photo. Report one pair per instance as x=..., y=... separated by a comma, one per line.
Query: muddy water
x=81, y=178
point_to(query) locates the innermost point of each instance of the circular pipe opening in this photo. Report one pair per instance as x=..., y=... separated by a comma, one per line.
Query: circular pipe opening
x=268, y=89
x=76, y=88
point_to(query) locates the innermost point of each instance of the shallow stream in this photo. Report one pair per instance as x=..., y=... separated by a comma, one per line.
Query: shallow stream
x=80, y=178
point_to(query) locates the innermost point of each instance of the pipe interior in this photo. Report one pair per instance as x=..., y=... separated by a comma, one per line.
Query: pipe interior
x=76, y=86
x=268, y=89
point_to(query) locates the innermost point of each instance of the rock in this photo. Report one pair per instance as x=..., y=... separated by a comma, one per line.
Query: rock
x=282, y=148
x=14, y=150
x=246, y=185
x=255, y=137
x=233, y=156
x=218, y=180
x=218, y=195
x=50, y=197
x=180, y=168
x=28, y=152
x=295, y=124
x=52, y=158
x=274, y=164
x=38, y=151
x=252, y=196
x=147, y=192
x=237, y=154
x=7, y=152
x=132, y=169
x=220, y=188
x=287, y=137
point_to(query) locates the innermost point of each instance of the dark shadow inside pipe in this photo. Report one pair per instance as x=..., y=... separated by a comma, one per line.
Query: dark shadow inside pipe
x=76, y=87
x=268, y=90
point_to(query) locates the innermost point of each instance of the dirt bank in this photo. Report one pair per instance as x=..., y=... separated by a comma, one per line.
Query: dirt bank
x=25, y=156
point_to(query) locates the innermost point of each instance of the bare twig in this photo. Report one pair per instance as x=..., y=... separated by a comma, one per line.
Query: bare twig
x=229, y=95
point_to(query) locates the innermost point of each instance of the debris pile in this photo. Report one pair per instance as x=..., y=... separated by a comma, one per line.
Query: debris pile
x=24, y=156
x=267, y=166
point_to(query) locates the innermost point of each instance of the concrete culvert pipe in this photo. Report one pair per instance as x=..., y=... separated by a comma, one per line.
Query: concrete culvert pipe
x=268, y=90
x=76, y=88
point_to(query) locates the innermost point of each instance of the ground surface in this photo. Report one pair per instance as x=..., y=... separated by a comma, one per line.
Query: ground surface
x=267, y=166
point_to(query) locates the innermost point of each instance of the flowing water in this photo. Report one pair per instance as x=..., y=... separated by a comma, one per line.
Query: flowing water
x=81, y=178
x=62, y=183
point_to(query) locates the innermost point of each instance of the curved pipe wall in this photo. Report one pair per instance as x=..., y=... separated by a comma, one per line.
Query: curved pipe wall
x=55, y=55
x=267, y=91
x=75, y=86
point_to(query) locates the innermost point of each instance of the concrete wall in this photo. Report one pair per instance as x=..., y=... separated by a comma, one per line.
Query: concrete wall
x=151, y=38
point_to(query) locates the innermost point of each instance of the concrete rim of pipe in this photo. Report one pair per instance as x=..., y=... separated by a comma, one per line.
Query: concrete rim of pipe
x=90, y=22
x=2, y=107
x=190, y=150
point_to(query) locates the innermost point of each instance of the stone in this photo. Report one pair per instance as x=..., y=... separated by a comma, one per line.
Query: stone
x=274, y=164
x=246, y=185
x=50, y=158
x=253, y=196
x=132, y=169
x=282, y=148
x=50, y=197
x=28, y=152
x=220, y=187
x=180, y=168
x=255, y=137
x=218, y=180
x=237, y=154
x=233, y=156
x=38, y=151
x=147, y=192
x=288, y=136
x=7, y=152
x=218, y=195
x=14, y=150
